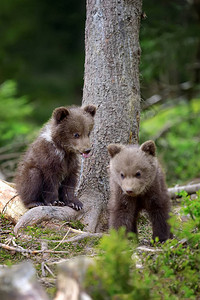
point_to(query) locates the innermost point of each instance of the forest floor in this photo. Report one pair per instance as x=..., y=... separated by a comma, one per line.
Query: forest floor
x=48, y=244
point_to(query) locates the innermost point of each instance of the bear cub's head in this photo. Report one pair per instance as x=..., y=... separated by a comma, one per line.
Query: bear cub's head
x=133, y=167
x=72, y=127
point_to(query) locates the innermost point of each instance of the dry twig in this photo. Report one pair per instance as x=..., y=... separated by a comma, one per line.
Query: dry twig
x=62, y=241
x=83, y=236
x=22, y=250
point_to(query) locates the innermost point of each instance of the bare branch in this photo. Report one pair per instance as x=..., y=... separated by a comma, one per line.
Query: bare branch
x=62, y=240
x=83, y=236
x=151, y=101
x=22, y=250
x=49, y=270
x=11, y=205
x=10, y=147
x=9, y=156
x=76, y=238
x=190, y=189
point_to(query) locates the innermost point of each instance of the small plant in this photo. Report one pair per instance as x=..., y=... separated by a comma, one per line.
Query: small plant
x=172, y=273
x=190, y=208
x=177, y=268
x=114, y=275
x=76, y=224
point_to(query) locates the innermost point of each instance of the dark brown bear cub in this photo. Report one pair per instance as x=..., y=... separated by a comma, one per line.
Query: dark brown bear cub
x=136, y=183
x=47, y=175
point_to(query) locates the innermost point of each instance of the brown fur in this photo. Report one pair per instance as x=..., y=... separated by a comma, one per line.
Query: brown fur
x=47, y=174
x=136, y=183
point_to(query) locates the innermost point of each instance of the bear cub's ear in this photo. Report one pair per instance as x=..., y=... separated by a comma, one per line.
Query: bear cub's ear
x=114, y=149
x=149, y=147
x=91, y=109
x=60, y=114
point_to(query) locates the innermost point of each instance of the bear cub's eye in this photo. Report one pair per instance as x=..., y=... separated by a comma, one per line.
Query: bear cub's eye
x=122, y=176
x=138, y=174
x=76, y=135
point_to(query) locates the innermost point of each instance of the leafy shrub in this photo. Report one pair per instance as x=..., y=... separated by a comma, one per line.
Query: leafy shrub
x=173, y=273
x=190, y=229
x=177, y=269
x=176, y=132
x=14, y=113
x=115, y=272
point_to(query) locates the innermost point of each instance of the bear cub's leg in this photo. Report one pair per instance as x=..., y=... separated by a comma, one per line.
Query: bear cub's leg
x=161, y=228
x=31, y=191
x=67, y=193
x=124, y=216
x=35, y=192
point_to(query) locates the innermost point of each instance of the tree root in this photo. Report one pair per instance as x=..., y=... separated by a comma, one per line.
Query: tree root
x=45, y=213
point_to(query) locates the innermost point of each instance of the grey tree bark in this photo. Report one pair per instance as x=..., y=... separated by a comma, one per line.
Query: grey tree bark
x=111, y=82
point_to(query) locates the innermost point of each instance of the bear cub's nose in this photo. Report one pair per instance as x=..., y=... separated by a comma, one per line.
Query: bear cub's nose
x=129, y=192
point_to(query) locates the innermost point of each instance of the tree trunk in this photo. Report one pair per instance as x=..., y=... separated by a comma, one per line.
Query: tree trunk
x=112, y=84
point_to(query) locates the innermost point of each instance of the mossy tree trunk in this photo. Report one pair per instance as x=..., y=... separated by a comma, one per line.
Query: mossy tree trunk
x=111, y=82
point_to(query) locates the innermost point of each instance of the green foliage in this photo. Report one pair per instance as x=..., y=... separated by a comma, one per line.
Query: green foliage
x=14, y=113
x=172, y=273
x=114, y=275
x=76, y=224
x=42, y=47
x=170, y=27
x=177, y=269
x=191, y=210
x=176, y=132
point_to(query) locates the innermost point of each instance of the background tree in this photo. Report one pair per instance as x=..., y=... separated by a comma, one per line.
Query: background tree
x=111, y=82
x=42, y=50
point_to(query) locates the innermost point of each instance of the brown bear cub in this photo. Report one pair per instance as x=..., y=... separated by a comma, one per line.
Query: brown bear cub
x=136, y=183
x=48, y=173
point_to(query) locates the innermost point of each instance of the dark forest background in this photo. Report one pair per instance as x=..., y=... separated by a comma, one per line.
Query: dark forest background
x=42, y=67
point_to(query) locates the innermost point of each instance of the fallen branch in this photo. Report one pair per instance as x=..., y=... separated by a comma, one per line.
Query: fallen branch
x=148, y=249
x=44, y=246
x=22, y=250
x=62, y=240
x=190, y=189
x=83, y=236
x=77, y=238
x=10, y=204
x=151, y=101
x=44, y=266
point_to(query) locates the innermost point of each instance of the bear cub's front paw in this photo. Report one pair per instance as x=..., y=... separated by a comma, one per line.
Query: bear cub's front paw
x=76, y=204
x=54, y=203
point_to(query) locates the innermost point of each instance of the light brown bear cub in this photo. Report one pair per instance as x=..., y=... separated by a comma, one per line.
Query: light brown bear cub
x=136, y=183
x=47, y=174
